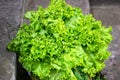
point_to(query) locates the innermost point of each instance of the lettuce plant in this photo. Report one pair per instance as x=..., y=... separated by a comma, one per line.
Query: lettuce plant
x=60, y=38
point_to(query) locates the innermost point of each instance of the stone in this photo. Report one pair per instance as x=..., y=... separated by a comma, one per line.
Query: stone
x=10, y=19
x=33, y=4
x=83, y=4
x=109, y=14
x=104, y=2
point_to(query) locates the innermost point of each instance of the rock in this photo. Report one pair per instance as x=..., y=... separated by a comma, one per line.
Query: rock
x=109, y=13
x=33, y=4
x=104, y=2
x=83, y=4
x=10, y=19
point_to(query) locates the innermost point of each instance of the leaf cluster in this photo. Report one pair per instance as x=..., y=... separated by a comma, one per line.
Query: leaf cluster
x=60, y=38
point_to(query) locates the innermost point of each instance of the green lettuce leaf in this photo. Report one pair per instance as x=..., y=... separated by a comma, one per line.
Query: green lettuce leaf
x=60, y=38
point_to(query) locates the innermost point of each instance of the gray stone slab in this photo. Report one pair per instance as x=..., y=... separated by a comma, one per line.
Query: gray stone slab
x=104, y=2
x=110, y=15
x=33, y=4
x=10, y=19
x=83, y=4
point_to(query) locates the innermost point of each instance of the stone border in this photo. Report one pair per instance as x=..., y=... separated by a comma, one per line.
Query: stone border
x=10, y=19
